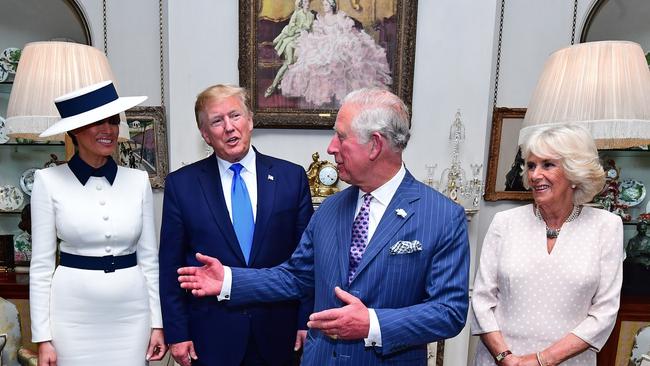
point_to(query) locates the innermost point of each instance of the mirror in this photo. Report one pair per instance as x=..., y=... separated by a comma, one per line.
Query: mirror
x=625, y=20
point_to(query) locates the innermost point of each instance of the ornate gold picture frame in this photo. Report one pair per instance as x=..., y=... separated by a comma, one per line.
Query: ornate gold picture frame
x=338, y=52
x=504, y=180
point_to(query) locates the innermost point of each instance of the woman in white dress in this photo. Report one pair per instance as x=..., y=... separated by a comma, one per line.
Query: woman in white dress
x=549, y=279
x=100, y=306
x=334, y=59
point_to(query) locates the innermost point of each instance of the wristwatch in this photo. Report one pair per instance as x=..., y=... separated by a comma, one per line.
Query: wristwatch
x=501, y=356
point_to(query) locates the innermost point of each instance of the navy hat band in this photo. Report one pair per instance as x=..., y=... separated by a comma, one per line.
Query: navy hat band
x=87, y=102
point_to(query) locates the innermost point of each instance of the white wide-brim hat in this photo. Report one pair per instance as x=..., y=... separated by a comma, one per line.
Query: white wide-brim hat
x=89, y=105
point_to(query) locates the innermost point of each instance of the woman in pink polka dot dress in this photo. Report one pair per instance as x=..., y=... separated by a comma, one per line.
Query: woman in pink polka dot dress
x=549, y=279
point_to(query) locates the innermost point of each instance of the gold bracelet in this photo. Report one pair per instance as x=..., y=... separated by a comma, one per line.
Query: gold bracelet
x=540, y=359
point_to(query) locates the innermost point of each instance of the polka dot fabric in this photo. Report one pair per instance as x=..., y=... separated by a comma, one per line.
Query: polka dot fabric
x=359, y=235
x=534, y=298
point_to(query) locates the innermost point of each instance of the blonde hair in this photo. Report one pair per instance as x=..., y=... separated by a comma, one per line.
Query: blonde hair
x=220, y=92
x=573, y=145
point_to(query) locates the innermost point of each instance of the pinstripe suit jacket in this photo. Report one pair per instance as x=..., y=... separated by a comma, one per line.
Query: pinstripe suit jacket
x=419, y=297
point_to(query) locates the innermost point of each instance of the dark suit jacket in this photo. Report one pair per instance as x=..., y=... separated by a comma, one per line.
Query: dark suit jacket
x=195, y=219
x=419, y=296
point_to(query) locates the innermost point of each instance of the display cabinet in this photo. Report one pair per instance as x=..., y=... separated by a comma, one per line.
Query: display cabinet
x=18, y=159
x=628, y=173
x=23, y=22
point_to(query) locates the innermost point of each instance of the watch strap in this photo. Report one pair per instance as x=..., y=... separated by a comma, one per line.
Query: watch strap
x=501, y=356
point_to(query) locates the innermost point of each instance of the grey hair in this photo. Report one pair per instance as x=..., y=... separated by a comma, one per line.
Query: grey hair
x=380, y=111
x=573, y=145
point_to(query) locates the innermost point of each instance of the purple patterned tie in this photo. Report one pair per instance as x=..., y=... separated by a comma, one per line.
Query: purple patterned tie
x=359, y=235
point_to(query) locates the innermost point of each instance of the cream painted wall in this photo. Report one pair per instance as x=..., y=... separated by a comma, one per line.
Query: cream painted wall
x=456, y=47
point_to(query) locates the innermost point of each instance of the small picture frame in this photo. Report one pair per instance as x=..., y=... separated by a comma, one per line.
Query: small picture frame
x=146, y=148
x=504, y=179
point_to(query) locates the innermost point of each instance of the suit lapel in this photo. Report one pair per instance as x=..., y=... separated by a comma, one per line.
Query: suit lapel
x=391, y=222
x=210, y=182
x=265, y=200
x=344, y=231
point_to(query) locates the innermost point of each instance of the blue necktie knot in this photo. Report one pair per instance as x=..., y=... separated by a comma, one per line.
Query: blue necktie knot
x=236, y=168
x=242, y=212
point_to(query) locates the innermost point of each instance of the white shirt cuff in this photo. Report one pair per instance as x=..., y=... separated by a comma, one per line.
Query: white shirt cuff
x=374, y=334
x=227, y=284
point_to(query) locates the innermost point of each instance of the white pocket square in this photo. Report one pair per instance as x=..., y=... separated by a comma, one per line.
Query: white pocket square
x=405, y=247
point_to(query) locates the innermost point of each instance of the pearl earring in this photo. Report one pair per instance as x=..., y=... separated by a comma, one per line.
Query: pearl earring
x=573, y=186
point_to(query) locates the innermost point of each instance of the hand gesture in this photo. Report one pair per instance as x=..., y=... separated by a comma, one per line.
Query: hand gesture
x=203, y=281
x=183, y=353
x=301, y=338
x=514, y=360
x=157, y=347
x=350, y=322
x=46, y=354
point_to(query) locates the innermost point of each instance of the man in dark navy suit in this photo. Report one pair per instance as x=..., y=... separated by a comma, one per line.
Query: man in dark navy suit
x=248, y=210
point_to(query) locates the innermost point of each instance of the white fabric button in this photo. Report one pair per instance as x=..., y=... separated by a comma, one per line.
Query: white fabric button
x=102, y=203
x=108, y=249
x=105, y=217
x=107, y=235
x=99, y=187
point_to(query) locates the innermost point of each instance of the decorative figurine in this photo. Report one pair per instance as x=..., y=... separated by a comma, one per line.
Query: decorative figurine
x=636, y=267
x=638, y=247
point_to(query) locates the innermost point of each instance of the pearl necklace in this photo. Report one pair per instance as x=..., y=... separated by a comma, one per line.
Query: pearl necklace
x=553, y=233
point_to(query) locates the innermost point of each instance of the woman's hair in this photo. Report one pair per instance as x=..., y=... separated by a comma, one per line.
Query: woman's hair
x=332, y=4
x=382, y=112
x=573, y=145
x=73, y=138
x=220, y=92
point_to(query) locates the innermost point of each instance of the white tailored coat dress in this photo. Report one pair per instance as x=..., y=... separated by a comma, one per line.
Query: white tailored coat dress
x=94, y=318
x=535, y=298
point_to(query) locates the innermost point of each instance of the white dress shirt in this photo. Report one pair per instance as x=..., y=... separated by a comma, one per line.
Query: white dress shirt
x=381, y=197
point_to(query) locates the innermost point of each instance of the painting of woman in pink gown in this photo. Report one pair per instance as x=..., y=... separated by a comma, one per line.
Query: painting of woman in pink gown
x=333, y=59
x=299, y=58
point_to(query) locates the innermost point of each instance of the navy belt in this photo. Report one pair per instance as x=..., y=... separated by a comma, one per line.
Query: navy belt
x=107, y=263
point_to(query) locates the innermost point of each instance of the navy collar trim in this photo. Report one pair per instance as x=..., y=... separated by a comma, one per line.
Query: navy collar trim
x=83, y=171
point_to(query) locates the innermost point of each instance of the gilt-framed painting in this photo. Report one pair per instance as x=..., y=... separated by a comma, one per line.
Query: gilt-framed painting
x=630, y=338
x=146, y=148
x=299, y=58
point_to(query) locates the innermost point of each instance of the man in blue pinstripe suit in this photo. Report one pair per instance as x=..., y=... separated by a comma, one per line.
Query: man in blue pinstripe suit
x=386, y=259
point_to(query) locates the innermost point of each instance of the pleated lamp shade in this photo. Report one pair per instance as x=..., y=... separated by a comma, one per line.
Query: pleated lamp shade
x=604, y=86
x=47, y=70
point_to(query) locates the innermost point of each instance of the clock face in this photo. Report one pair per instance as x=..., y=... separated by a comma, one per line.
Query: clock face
x=328, y=175
x=612, y=173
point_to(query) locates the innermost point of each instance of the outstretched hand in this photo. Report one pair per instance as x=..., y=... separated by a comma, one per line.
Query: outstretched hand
x=206, y=280
x=351, y=322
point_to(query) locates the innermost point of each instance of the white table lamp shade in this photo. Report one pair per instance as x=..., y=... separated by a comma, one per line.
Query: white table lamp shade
x=47, y=70
x=604, y=86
